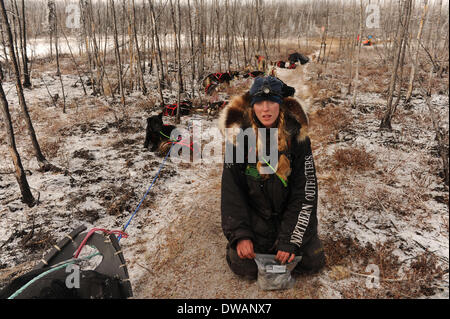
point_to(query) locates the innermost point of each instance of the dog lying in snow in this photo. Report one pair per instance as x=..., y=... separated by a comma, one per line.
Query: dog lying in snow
x=214, y=79
x=156, y=132
x=298, y=57
x=161, y=137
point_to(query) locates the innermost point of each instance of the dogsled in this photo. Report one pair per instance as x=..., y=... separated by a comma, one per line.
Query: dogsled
x=61, y=274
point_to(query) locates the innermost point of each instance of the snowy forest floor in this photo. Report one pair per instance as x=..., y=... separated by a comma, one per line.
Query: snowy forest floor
x=383, y=207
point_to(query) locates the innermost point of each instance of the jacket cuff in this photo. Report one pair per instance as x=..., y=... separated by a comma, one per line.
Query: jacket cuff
x=287, y=247
x=241, y=234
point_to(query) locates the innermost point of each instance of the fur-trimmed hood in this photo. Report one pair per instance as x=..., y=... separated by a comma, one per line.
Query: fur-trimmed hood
x=292, y=123
x=237, y=114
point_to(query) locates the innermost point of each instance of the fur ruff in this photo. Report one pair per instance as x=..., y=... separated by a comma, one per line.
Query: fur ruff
x=292, y=121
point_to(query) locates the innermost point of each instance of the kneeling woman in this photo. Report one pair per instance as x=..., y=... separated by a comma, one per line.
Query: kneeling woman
x=263, y=212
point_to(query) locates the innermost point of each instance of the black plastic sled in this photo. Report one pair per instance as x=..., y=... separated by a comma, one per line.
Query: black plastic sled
x=109, y=280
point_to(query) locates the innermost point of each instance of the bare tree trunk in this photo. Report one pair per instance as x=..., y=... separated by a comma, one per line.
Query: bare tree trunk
x=19, y=172
x=227, y=35
x=218, y=21
x=17, y=38
x=434, y=45
x=26, y=73
x=74, y=62
x=355, y=89
x=141, y=71
x=352, y=51
x=259, y=25
x=323, y=43
x=157, y=43
x=97, y=62
x=43, y=163
x=191, y=37
x=416, y=55
x=86, y=37
x=51, y=15
x=402, y=59
x=202, y=38
x=180, y=81
x=401, y=36
x=58, y=69
x=261, y=32
x=118, y=62
x=155, y=39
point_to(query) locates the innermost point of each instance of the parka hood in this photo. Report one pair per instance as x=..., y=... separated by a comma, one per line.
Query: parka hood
x=237, y=115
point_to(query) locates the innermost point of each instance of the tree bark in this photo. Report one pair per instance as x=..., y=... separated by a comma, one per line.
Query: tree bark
x=416, y=55
x=43, y=163
x=355, y=89
x=26, y=73
x=138, y=52
x=19, y=173
x=401, y=36
x=118, y=61
x=155, y=40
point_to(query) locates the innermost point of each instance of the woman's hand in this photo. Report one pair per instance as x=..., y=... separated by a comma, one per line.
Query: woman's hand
x=283, y=256
x=244, y=249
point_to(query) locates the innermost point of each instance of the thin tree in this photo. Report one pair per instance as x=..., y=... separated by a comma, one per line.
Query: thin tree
x=155, y=39
x=26, y=73
x=58, y=68
x=43, y=163
x=117, y=54
x=140, y=68
x=19, y=173
x=191, y=38
x=355, y=89
x=416, y=55
x=401, y=36
x=179, y=75
x=50, y=20
x=434, y=46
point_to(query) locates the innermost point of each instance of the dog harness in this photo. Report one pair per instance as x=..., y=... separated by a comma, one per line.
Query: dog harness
x=172, y=108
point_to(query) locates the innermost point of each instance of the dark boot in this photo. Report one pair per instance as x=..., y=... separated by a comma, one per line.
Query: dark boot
x=313, y=258
x=242, y=267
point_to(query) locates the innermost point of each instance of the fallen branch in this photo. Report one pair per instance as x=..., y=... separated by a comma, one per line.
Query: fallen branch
x=381, y=279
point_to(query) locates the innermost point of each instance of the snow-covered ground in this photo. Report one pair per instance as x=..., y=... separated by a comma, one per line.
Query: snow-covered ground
x=175, y=246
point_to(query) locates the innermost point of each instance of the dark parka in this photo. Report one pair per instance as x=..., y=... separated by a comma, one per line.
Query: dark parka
x=273, y=216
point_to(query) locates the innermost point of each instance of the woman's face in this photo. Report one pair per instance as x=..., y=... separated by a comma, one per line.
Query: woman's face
x=267, y=112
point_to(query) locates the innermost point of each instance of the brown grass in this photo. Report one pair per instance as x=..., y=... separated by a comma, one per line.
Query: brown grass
x=335, y=193
x=416, y=280
x=353, y=158
x=50, y=148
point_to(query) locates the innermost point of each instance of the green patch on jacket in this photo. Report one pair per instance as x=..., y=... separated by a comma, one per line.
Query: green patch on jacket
x=252, y=171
